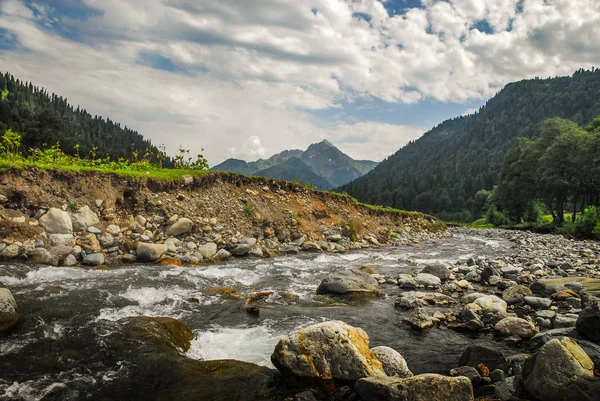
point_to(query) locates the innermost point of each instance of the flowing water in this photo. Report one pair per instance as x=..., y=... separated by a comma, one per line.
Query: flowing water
x=70, y=311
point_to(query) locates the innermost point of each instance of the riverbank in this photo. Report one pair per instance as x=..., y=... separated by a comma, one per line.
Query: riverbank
x=97, y=219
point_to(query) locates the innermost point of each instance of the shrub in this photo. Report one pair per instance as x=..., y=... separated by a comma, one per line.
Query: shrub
x=249, y=209
x=496, y=217
x=535, y=212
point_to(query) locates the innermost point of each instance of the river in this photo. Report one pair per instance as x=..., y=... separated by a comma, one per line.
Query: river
x=69, y=312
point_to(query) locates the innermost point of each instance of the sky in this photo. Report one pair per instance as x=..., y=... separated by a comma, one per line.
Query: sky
x=250, y=78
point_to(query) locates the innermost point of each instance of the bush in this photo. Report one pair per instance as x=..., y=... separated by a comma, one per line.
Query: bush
x=589, y=223
x=535, y=212
x=496, y=217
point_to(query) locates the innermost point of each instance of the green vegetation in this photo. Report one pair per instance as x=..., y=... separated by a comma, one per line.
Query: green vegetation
x=354, y=230
x=249, y=209
x=543, y=178
x=443, y=172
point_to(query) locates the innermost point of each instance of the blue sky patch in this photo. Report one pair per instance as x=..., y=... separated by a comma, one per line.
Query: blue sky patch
x=395, y=7
x=8, y=41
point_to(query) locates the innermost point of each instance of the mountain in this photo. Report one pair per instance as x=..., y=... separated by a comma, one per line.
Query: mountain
x=441, y=172
x=322, y=165
x=44, y=119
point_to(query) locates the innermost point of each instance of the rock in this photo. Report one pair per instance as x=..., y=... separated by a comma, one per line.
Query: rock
x=56, y=221
x=406, y=281
x=244, y=247
x=220, y=256
x=426, y=387
x=11, y=251
x=471, y=326
x=83, y=219
x=9, y=315
x=514, y=326
x=181, y=226
x=324, y=353
x=393, y=363
x=256, y=252
x=94, y=259
x=113, y=230
x=555, y=366
x=350, y=281
x=584, y=389
x=538, y=302
x=475, y=355
x=171, y=244
x=62, y=240
x=509, y=389
x=42, y=256
x=439, y=270
x=565, y=320
x=305, y=396
x=497, y=376
x=89, y=243
x=311, y=247
x=208, y=250
x=428, y=280
x=467, y=371
x=150, y=252
x=547, y=287
x=419, y=319
x=515, y=294
x=106, y=240
x=94, y=230
x=491, y=304
x=588, y=322
x=70, y=261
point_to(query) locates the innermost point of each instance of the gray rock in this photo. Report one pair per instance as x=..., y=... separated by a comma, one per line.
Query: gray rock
x=491, y=304
x=516, y=293
x=588, y=323
x=9, y=315
x=555, y=366
x=208, y=250
x=428, y=280
x=56, y=221
x=440, y=270
x=181, y=226
x=334, y=237
x=305, y=396
x=406, y=281
x=419, y=319
x=467, y=371
x=514, y=326
x=70, y=261
x=393, y=363
x=566, y=320
x=509, y=389
x=244, y=247
x=83, y=219
x=94, y=259
x=113, y=230
x=325, y=352
x=11, y=251
x=94, y=230
x=427, y=387
x=172, y=244
x=538, y=302
x=150, y=252
x=477, y=354
x=128, y=258
x=220, y=256
x=497, y=376
x=350, y=281
x=256, y=252
x=42, y=256
x=62, y=240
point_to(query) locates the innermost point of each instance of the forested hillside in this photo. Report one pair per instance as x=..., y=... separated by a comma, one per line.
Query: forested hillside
x=441, y=172
x=44, y=119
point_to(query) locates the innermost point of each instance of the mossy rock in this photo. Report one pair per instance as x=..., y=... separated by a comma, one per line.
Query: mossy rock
x=549, y=286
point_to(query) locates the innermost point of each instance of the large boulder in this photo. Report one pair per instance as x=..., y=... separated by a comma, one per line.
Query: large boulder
x=150, y=252
x=428, y=280
x=588, y=322
x=516, y=293
x=555, y=366
x=208, y=250
x=181, y=226
x=56, y=221
x=475, y=355
x=491, y=304
x=84, y=218
x=515, y=326
x=326, y=352
x=9, y=315
x=43, y=257
x=439, y=270
x=427, y=387
x=393, y=363
x=350, y=281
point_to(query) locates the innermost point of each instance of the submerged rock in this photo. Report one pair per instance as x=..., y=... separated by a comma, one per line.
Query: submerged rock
x=427, y=387
x=351, y=281
x=326, y=352
x=555, y=366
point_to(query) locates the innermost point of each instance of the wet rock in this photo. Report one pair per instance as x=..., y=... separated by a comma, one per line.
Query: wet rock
x=83, y=219
x=70, y=261
x=393, y=363
x=497, y=375
x=555, y=366
x=419, y=319
x=9, y=315
x=565, y=320
x=588, y=322
x=538, y=302
x=150, y=252
x=350, y=281
x=471, y=326
x=515, y=294
x=181, y=226
x=305, y=396
x=244, y=247
x=56, y=221
x=475, y=355
x=547, y=287
x=514, y=326
x=94, y=259
x=467, y=371
x=407, y=281
x=428, y=280
x=584, y=389
x=427, y=387
x=326, y=352
x=509, y=389
x=440, y=270
x=43, y=257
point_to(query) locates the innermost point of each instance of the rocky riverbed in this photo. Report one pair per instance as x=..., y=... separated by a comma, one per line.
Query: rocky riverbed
x=498, y=314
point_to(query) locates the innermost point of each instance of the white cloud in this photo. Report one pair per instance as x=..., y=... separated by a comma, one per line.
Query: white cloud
x=256, y=67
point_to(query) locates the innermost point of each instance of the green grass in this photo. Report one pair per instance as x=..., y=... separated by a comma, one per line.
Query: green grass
x=131, y=171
